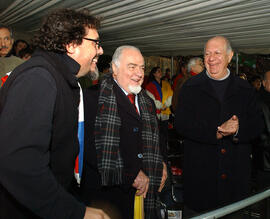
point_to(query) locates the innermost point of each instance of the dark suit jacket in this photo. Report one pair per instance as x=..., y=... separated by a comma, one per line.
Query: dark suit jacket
x=216, y=171
x=130, y=139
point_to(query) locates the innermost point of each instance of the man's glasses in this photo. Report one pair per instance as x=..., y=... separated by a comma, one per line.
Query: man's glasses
x=97, y=42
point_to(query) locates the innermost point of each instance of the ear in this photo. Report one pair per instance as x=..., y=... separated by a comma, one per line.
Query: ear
x=114, y=69
x=71, y=48
x=230, y=56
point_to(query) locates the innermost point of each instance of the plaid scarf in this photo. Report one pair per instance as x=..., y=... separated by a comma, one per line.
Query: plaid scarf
x=107, y=140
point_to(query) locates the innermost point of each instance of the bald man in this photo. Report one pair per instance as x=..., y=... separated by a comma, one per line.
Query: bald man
x=217, y=114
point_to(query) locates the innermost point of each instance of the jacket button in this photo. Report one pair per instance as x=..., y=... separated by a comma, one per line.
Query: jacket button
x=140, y=156
x=223, y=176
x=223, y=150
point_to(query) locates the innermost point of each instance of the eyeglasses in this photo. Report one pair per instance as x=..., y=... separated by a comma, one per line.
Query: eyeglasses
x=97, y=42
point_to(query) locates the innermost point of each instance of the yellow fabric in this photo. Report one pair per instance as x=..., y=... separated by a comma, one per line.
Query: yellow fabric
x=138, y=207
x=166, y=93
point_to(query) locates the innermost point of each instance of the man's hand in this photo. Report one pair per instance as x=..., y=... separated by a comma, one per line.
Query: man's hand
x=164, y=177
x=94, y=213
x=141, y=183
x=230, y=127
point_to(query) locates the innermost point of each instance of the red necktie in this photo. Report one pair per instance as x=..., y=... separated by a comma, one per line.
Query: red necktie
x=131, y=97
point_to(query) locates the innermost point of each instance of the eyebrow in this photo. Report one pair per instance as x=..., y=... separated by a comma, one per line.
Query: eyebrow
x=133, y=64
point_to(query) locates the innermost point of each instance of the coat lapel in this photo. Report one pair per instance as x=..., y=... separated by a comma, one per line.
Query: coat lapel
x=231, y=89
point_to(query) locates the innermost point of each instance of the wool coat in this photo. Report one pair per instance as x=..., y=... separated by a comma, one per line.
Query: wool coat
x=216, y=172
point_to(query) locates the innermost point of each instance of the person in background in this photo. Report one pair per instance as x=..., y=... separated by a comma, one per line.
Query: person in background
x=167, y=75
x=39, y=106
x=6, y=41
x=256, y=82
x=180, y=75
x=161, y=93
x=7, y=61
x=18, y=46
x=123, y=157
x=195, y=66
x=26, y=53
x=218, y=116
x=262, y=144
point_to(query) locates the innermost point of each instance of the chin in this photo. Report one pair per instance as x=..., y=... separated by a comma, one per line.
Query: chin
x=134, y=89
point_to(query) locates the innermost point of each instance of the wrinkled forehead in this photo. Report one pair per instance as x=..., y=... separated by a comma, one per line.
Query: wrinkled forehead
x=131, y=56
x=217, y=43
x=4, y=32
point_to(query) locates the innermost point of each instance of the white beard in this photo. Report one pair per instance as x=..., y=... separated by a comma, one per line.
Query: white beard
x=134, y=89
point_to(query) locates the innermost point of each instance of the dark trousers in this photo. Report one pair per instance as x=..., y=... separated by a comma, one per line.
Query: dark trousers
x=116, y=201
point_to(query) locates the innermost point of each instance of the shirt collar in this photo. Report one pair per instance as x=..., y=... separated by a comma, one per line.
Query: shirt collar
x=221, y=79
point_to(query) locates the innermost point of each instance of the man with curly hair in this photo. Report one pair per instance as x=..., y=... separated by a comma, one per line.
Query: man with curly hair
x=39, y=120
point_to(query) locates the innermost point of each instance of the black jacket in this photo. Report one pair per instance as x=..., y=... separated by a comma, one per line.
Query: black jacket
x=38, y=132
x=216, y=172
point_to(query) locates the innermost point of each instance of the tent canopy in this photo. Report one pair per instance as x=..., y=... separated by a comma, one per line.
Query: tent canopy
x=158, y=27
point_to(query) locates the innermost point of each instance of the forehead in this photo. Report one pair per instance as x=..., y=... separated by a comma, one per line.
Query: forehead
x=217, y=43
x=132, y=56
x=91, y=33
x=4, y=32
x=267, y=74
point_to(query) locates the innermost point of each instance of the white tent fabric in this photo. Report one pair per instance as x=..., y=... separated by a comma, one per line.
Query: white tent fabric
x=158, y=27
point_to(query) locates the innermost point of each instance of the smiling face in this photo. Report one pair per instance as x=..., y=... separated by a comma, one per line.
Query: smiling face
x=129, y=73
x=87, y=53
x=6, y=42
x=216, y=57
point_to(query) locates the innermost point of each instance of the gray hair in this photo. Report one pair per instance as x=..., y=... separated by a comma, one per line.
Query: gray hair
x=192, y=62
x=2, y=26
x=118, y=52
x=228, y=44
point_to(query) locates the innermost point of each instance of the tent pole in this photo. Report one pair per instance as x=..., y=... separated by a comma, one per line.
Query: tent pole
x=237, y=64
x=171, y=67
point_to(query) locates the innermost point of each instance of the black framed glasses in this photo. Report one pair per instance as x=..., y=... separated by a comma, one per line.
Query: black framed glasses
x=97, y=42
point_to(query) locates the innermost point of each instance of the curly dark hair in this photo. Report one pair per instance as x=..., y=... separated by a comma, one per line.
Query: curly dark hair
x=64, y=26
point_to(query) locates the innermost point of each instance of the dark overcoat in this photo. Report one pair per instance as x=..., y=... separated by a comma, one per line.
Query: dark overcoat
x=216, y=172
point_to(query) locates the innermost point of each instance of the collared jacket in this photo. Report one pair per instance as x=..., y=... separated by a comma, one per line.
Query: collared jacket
x=216, y=172
x=38, y=133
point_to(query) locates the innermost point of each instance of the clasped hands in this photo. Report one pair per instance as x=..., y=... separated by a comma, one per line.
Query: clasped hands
x=230, y=127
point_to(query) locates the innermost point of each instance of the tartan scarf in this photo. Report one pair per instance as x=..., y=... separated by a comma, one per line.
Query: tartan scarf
x=107, y=140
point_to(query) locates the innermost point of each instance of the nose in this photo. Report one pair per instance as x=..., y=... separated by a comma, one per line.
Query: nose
x=140, y=72
x=211, y=57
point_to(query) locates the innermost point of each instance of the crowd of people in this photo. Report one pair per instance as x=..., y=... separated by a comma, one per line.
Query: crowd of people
x=71, y=150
